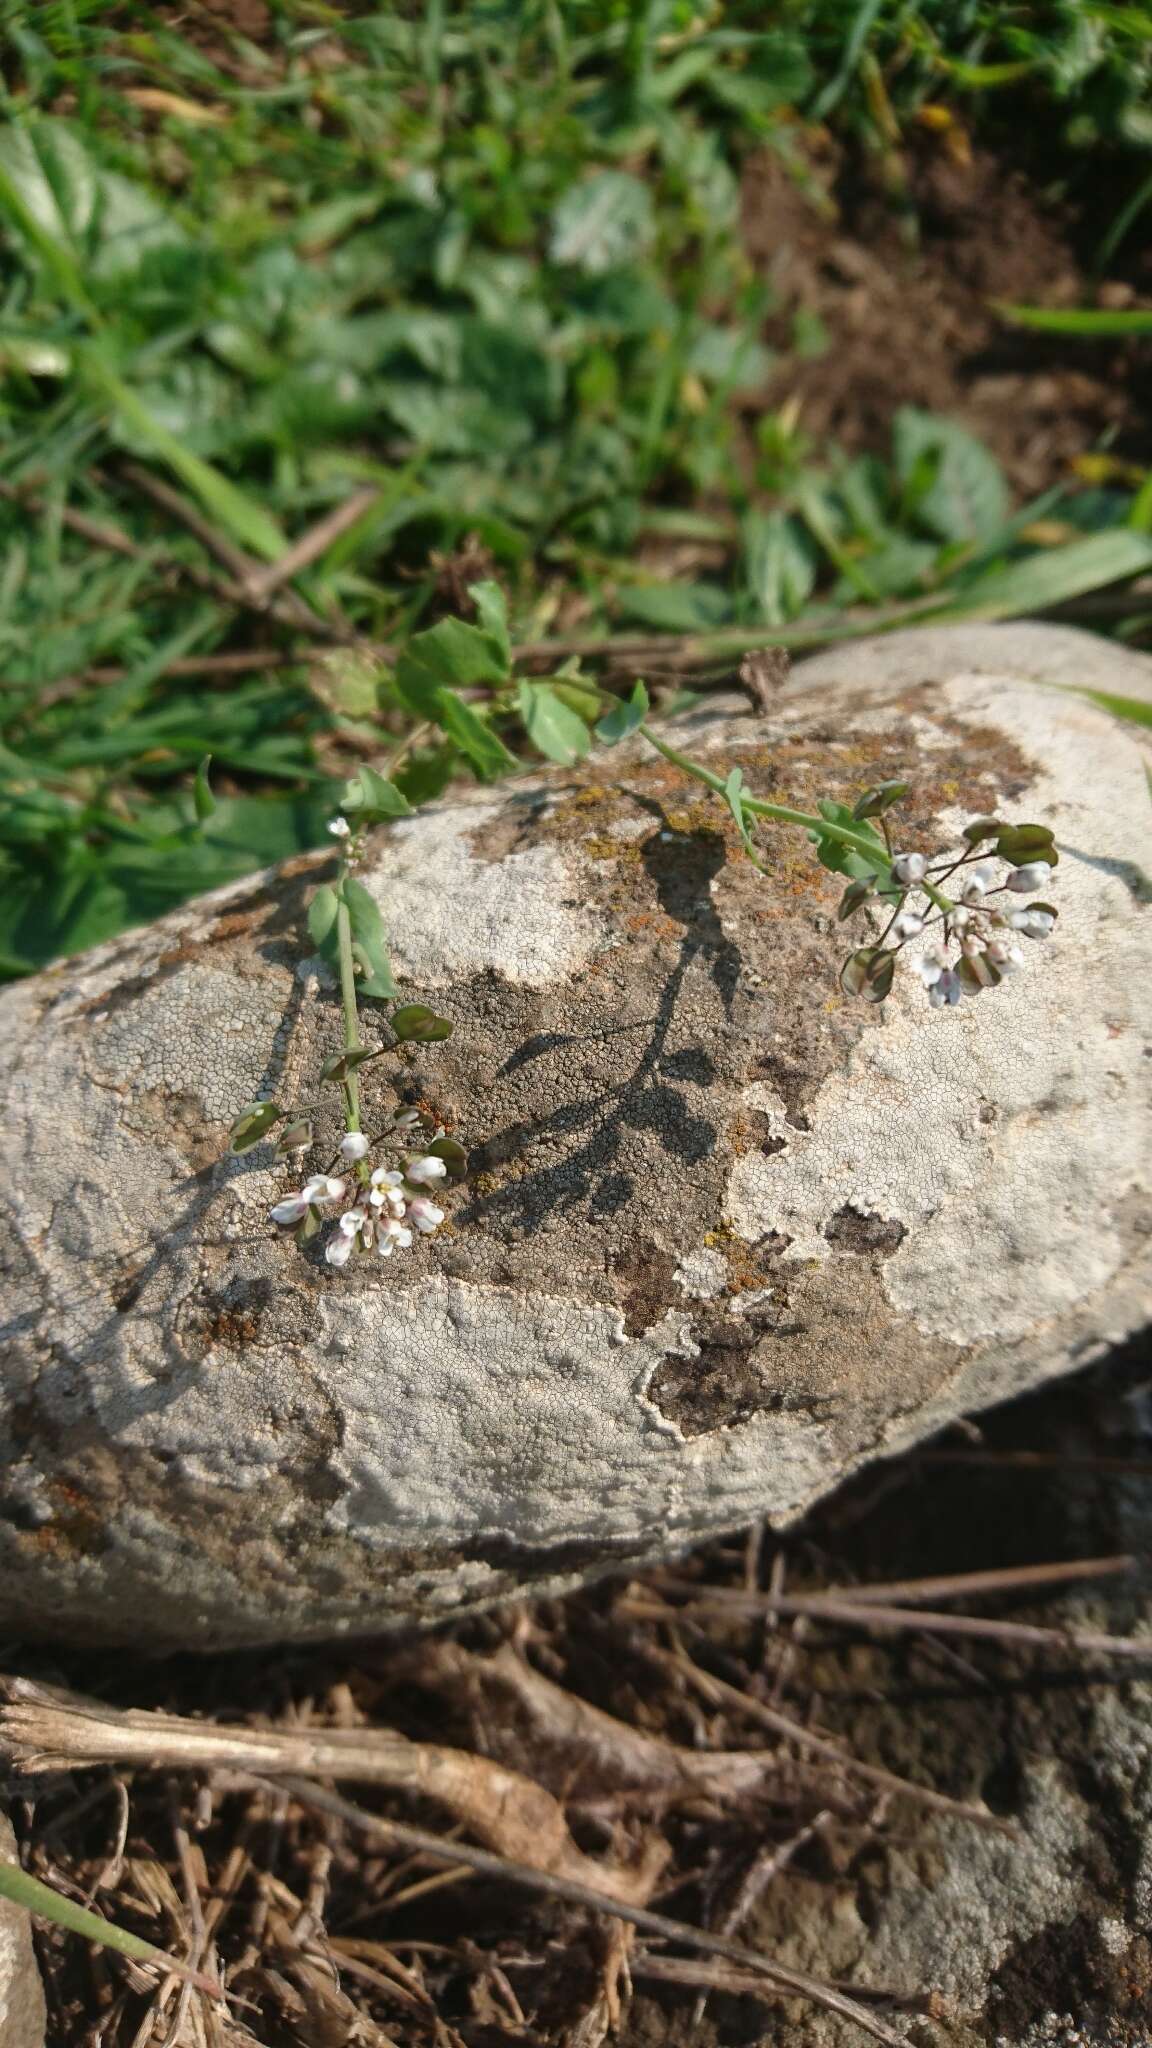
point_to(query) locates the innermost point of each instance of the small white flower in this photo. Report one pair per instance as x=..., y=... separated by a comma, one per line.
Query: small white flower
x=978, y=881
x=340, y=828
x=909, y=867
x=930, y=968
x=292, y=1209
x=425, y=1215
x=1035, y=924
x=1035, y=874
x=354, y=1145
x=352, y=1221
x=945, y=990
x=908, y=925
x=385, y=1177
x=324, y=1187
x=339, y=1249
x=426, y=1170
x=393, y=1237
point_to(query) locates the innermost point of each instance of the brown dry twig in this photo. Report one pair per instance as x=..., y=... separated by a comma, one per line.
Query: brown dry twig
x=45, y=1730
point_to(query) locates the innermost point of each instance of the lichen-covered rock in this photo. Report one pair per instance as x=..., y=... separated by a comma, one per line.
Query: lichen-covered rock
x=727, y=1234
x=22, y=2014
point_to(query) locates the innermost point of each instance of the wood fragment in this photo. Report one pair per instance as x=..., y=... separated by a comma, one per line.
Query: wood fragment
x=261, y=582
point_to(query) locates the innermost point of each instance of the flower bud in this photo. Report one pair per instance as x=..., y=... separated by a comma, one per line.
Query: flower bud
x=909, y=867
x=908, y=925
x=425, y=1215
x=354, y=1145
x=340, y=828
x=1035, y=874
x=339, y=1249
x=1035, y=924
x=425, y=1171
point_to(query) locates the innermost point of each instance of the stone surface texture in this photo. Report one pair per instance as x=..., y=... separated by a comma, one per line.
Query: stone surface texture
x=727, y=1235
x=22, y=2014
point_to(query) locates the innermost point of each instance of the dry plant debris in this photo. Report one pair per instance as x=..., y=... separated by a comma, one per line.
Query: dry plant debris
x=629, y=1771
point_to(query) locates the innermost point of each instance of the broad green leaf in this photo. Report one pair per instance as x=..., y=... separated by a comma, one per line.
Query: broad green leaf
x=553, y=729
x=252, y=1124
x=322, y=914
x=103, y=222
x=453, y=1154
x=840, y=859
x=602, y=222
x=674, y=607
x=963, y=496
x=625, y=717
x=372, y=798
x=369, y=943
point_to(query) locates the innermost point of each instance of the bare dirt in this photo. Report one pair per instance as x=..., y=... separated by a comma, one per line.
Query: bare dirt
x=907, y=291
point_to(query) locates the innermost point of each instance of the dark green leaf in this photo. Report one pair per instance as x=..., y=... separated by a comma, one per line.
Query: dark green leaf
x=322, y=912
x=339, y=1065
x=854, y=898
x=253, y=1124
x=295, y=1137
x=492, y=614
x=1023, y=843
x=981, y=829
x=417, y=1024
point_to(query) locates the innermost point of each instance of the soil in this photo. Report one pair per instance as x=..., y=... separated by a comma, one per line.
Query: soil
x=907, y=295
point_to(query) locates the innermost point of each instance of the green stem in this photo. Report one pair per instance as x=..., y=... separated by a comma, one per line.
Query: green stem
x=352, y=1040
x=861, y=842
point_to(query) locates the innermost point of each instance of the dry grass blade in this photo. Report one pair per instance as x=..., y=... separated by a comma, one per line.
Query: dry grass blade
x=716, y=1977
x=42, y=1730
x=574, y=1893
x=261, y=583
x=1031, y=1578
x=864, y=1615
x=591, y=1751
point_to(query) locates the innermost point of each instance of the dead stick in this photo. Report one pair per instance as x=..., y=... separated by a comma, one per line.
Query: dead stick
x=860, y=1615
x=674, y=1970
x=574, y=1894
x=261, y=583
x=956, y=1585
x=719, y=1691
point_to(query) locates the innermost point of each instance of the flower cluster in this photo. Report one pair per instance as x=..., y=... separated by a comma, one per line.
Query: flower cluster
x=381, y=1207
x=974, y=939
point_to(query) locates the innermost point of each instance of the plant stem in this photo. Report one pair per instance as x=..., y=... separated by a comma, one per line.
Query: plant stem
x=352, y=1040
x=861, y=842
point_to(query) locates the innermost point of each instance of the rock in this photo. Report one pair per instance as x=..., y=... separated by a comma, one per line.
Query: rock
x=727, y=1234
x=22, y=2015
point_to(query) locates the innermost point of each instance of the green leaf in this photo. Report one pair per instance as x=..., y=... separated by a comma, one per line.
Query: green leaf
x=1090, y=320
x=369, y=942
x=1043, y=580
x=840, y=859
x=322, y=914
x=602, y=222
x=959, y=491
x=625, y=717
x=981, y=829
x=868, y=973
x=295, y=1137
x=1137, y=710
x=492, y=613
x=1021, y=844
x=879, y=799
x=854, y=898
x=453, y=1154
x=424, y=675
x=734, y=797
x=372, y=798
x=252, y=1124
x=24, y=1890
x=674, y=607
x=340, y=1064
x=202, y=797
x=553, y=729
x=418, y=1024
x=780, y=566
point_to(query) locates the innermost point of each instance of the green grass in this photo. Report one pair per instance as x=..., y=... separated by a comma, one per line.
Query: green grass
x=479, y=264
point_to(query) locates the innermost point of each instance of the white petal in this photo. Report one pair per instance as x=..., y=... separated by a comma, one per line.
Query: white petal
x=354, y=1145
x=351, y=1221
x=339, y=828
x=292, y=1209
x=385, y=1177
x=339, y=1250
x=427, y=1169
x=323, y=1187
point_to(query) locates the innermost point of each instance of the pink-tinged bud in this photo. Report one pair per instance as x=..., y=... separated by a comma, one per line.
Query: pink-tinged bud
x=339, y=1249
x=425, y=1171
x=292, y=1209
x=424, y=1215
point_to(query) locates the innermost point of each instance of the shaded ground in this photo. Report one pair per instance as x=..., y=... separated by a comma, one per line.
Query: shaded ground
x=906, y=296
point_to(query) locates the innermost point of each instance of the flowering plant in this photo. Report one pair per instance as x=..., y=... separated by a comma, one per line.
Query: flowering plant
x=960, y=902
x=378, y=1206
